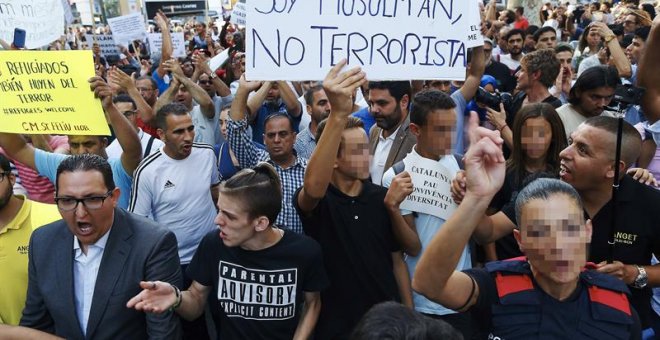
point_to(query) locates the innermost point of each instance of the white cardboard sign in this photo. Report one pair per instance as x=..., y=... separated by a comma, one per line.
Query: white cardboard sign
x=42, y=20
x=127, y=28
x=432, y=187
x=178, y=44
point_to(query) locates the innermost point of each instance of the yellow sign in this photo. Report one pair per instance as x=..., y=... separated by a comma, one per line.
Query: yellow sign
x=47, y=92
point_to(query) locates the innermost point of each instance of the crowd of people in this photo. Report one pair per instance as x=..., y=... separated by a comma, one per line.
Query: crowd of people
x=229, y=208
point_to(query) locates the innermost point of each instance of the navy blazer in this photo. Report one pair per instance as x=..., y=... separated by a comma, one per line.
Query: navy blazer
x=137, y=250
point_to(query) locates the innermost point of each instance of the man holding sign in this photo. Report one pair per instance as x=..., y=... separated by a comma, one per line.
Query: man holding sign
x=419, y=198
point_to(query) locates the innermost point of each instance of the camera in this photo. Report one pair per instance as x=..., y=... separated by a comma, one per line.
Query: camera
x=626, y=95
x=491, y=100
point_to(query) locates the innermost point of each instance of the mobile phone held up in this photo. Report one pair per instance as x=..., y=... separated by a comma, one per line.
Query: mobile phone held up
x=19, y=38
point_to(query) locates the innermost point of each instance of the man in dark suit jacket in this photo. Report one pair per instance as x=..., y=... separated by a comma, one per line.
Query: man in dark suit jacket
x=83, y=269
x=390, y=140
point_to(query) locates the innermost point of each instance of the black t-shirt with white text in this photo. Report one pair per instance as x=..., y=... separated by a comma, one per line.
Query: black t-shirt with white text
x=258, y=294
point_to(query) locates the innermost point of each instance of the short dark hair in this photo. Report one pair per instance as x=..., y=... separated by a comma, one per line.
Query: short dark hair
x=427, y=101
x=278, y=115
x=258, y=189
x=520, y=10
x=397, y=89
x=351, y=123
x=531, y=29
x=593, y=78
x=513, y=32
x=643, y=32
x=151, y=80
x=631, y=141
x=124, y=98
x=176, y=109
x=4, y=163
x=391, y=320
x=563, y=47
x=309, y=94
x=542, y=30
x=544, y=188
x=544, y=60
x=510, y=16
x=86, y=162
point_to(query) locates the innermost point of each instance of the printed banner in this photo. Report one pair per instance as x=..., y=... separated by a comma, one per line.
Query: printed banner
x=43, y=21
x=432, y=187
x=47, y=92
x=106, y=43
x=238, y=14
x=127, y=28
x=178, y=44
x=390, y=40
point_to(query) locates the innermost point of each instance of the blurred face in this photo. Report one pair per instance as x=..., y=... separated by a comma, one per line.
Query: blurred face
x=442, y=85
x=320, y=108
x=385, y=109
x=522, y=76
x=547, y=40
x=87, y=144
x=593, y=102
x=224, y=115
x=235, y=225
x=634, y=51
x=206, y=84
x=178, y=135
x=308, y=84
x=279, y=139
x=129, y=112
x=188, y=68
x=515, y=44
x=630, y=24
x=353, y=158
x=589, y=158
x=184, y=97
x=536, y=136
x=530, y=44
x=488, y=52
x=436, y=137
x=88, y=225
x=565, y=59
x=593, y=39
x=96, y=49
x=554, y=237
x=7, y=180
x=147, y=91
x=273, y=92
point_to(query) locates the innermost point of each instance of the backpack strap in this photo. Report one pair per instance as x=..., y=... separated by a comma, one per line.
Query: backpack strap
x=398, y=167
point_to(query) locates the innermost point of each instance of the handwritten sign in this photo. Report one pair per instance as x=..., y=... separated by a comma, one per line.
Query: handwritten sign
x=46, y=92
x=390, y=40
x=127, y=28
x=106, y=43
x=432, y=187
x=178, y=44
x=238, y=14
x=43, y=21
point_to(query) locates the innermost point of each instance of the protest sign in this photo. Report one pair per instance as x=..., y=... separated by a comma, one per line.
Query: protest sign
x=390, y=40
x=219, y=60
x=106, y=43
x=431, y=187
x=178, y=44
x=47, y=92
x=43, y=21
x=127, y=28
x=238, y=14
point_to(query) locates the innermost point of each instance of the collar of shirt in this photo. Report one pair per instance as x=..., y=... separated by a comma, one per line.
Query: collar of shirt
x=99, y=244
x=391, y=137
x=140, y=133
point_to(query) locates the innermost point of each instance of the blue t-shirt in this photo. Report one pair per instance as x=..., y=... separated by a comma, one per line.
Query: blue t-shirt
x=47, y=163
x=258, y=125
x=160, y=82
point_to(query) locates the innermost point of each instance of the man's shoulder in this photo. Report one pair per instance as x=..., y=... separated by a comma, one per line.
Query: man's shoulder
x=49, y=233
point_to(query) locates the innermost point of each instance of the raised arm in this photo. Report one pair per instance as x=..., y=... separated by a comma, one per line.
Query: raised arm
x=435, y=276
x=619, y=58
x=403, y=227
x=199, y=95
x=168, y=96
x=339, y=88
x=201, y=64
x=166, y=48
x=290, y=99
x=256, y=100
x=118, y=78
x=474, y=73
x=240, y=142
x=17, y=149
x=126, y=134
x=648, y=75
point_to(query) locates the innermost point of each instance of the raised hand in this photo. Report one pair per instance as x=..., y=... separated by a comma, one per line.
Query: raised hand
x=102, y=91
x=340, y=86
x=399, y=189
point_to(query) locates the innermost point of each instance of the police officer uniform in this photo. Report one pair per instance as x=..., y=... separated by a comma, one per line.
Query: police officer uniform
x=512, y=306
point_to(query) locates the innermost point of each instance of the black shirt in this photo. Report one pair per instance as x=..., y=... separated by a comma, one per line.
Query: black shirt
x=505, y=81
x=357, y=243
x=258, y=294
x=637, y=235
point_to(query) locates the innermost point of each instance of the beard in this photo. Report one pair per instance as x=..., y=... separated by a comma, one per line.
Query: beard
x=4, y=199
x=390, y=121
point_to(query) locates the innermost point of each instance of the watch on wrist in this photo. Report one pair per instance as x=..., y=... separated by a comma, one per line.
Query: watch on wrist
x=213, y=75
x=642, y=278
x=609, y=38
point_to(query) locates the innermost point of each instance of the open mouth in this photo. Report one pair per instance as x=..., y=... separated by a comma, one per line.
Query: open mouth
x=563, y=170
x=84, y=229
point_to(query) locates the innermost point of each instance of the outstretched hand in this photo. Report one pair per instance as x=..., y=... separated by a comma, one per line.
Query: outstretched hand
x=484, y=161
x=101, y=90
x=156, y=297
x=340, y=86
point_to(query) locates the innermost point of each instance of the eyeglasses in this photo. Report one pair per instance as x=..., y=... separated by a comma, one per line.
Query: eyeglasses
x=630, y=22
x=144, y=89
x=91, y=203
x=3, y=175
x=129, y=113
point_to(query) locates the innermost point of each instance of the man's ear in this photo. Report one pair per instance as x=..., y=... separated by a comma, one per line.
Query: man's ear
x=415, y=129
x=161, y=134
x=261, y=223
x=517, y=236
x=405, y=100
